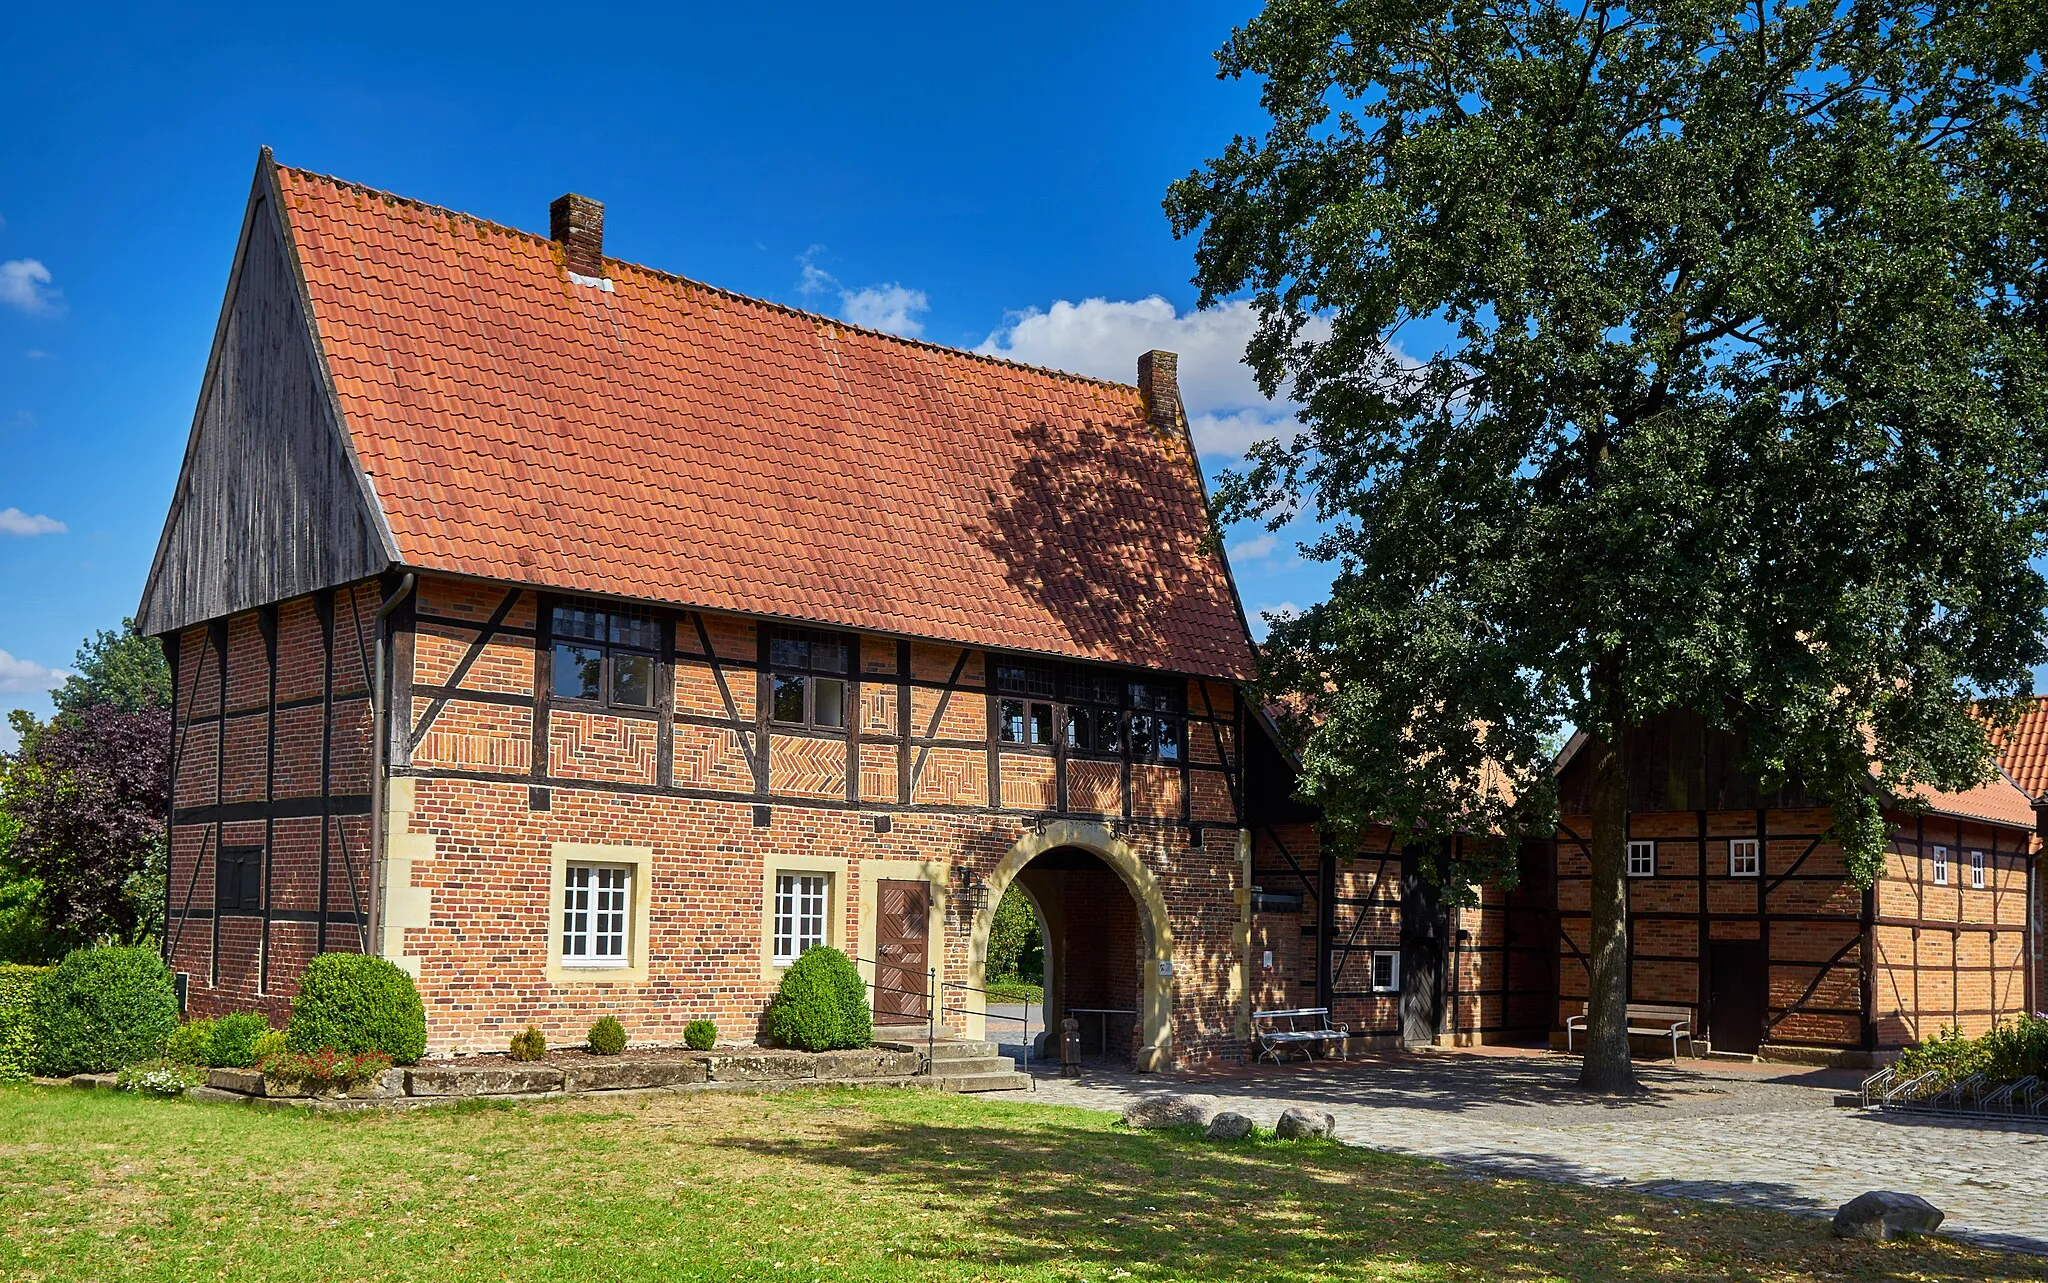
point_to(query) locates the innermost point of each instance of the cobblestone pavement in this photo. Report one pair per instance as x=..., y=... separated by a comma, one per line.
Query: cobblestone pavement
x=1770, y=1139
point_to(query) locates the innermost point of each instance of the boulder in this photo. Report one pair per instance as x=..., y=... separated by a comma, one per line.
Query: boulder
x=1229, y=1125
x=621, y=1075
x=1884, y=1213
x=1297, y=1123
x=869, y=1062
x=762, y=1066
x=482, y=1080
x=1171, y=1109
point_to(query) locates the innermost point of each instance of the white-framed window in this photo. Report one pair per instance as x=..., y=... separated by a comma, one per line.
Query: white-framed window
x=1386, y=971
x=1642, y=859
x=1977, y=870
x=1744, y=858
x=594, y=907
x=800, y=900
x=1941, y=866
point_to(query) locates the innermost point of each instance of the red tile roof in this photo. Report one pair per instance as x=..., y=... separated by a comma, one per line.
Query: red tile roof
x=669, y=441
x=2023, y=750
x=1998, y=802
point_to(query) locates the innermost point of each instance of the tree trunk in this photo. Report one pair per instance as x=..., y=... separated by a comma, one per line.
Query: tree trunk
x=1607, y=1067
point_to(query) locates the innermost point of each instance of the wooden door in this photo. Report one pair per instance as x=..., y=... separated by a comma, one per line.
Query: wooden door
x=1735, y=1019
x=1422, y=954
x=902, y=960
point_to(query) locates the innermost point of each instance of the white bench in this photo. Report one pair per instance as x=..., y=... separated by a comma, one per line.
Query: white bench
x=1646, y=1019
x=1303, y=1027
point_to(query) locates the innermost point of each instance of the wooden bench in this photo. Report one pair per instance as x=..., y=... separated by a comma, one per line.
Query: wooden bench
x=1303, y=1027
x=1646, y=1019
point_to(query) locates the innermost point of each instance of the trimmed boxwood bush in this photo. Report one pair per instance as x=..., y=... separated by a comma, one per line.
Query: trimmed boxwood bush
x=351, y=1002
x=607, y=1037
x=100, y=1009
x=233, y=1044
x=531, y=1045
x=700, y=1035
x=822, y=1004
x=17, y=1021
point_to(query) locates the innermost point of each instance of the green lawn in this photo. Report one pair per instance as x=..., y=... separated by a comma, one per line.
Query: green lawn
x=821, y=1185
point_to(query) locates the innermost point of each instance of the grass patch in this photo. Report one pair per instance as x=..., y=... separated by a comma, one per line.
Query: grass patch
x=1015, y=991
x=823, y=1185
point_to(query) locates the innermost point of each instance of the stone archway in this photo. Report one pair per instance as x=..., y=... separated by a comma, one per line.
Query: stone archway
x=1156, y=1014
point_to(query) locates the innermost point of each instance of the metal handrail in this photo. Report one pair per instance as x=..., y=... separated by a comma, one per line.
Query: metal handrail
x=929, y=993
x=968, y=988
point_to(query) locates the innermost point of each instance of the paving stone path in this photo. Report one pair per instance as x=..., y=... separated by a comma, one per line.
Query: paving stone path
x=1771, y=1140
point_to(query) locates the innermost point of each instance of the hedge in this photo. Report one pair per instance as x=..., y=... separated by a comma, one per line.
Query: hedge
x=822, y=1004
x=17, y=1020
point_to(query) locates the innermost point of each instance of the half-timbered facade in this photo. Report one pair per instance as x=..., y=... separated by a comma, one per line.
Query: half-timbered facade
x=1740, y=905
x=590, y=641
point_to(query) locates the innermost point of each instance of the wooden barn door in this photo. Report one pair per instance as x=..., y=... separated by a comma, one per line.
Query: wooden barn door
x=1422, y=954
x=1735, y=1020
x=902, y=960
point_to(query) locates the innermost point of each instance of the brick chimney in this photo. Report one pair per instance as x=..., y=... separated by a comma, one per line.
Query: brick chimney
x=576, y=223
x=1159, y=385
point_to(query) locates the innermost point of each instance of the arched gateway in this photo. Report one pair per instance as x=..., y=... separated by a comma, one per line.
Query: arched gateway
x=1093, y=843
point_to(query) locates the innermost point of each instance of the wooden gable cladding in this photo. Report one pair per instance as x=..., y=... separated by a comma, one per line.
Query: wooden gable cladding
x=269, y=504
x=920, y=727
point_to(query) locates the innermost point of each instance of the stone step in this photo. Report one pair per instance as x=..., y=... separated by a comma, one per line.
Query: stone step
x=972, y=1067
x=943, y=1049
x=985, y=1082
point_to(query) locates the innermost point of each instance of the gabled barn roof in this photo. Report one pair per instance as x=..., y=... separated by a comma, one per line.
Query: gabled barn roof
x=2023, y=750
x=646, y=436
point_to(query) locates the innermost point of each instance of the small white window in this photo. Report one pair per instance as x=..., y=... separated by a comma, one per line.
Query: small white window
x=1977, y=870
x=1642, y=859
x=1743, y=861
x=1941, y=866
x=594, y=900
x=1386, y=971
x=799, y=914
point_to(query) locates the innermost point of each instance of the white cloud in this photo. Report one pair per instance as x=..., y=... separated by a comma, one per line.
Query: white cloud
x=1264, y=617
x=1103, y=339
x=1256, y=548
x=890, y=307
x=25, y=676
x=13, y=521
x=25, y=283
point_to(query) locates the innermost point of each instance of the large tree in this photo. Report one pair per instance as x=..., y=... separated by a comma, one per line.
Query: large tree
x=1683, y=355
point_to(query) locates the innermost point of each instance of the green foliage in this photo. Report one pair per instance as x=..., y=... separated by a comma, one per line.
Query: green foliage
x=26, y=935
x=531, y=1045
x=270, y=1044
x=700, y=1035
x=17, y=1020
x=233, y=1044
x=352, y=1002
x=607, y=1037
x=163, y=1077
x=1684, y=358
x=1948, y=1053
x=822, y=1004
x=2017, y=1048
x=325, y=1069
x=1016, y=950
x=116, y=669
x=190, y=1043
x=100, y=1009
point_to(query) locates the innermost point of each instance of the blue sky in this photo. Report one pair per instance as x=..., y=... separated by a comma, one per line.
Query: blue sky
x=979, y=176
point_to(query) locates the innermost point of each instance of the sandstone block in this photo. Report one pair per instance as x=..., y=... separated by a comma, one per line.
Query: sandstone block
x=620, y=1075
x=482, y=1080
x=870, y=1062
x=762, y=1066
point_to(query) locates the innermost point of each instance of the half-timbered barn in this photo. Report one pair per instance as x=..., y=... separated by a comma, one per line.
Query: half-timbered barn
x=588, y=640
x=1740, y=906
x=2023, y=753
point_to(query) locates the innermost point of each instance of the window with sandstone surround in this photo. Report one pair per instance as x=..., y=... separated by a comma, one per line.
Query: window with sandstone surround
x=606, y=656
x=807, y=685
x=1744, y=858
x=802, y=901
x=1642, y=859
x=1977, y=870
x=596, y=906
